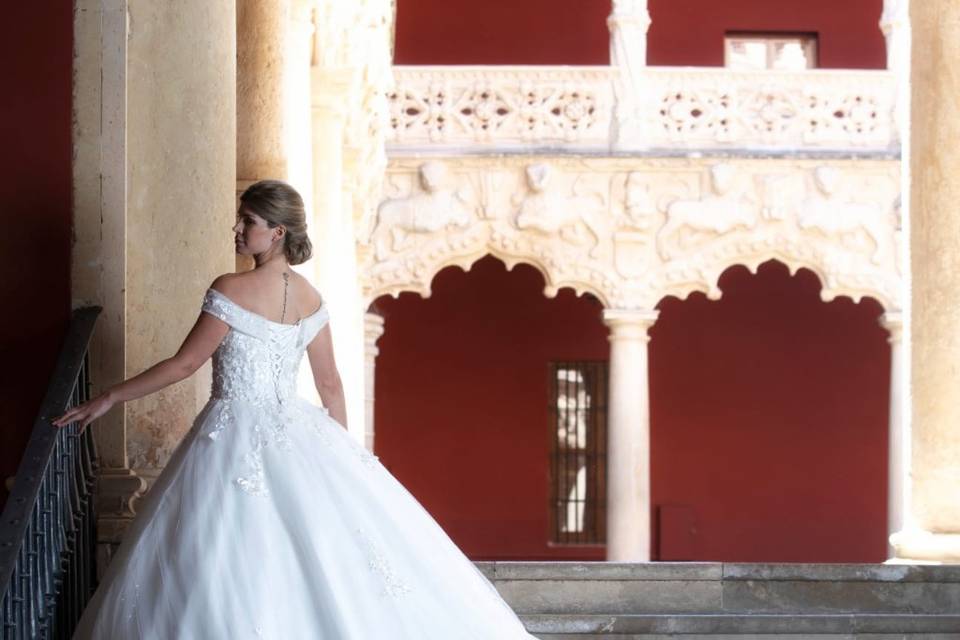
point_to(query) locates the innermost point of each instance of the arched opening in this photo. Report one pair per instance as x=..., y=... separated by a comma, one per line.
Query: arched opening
x=769, y=417
x=462, y=394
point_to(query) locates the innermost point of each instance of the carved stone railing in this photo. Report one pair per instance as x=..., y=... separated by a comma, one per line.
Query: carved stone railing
x=478, y=109
x=501, y=106
x=708, y=108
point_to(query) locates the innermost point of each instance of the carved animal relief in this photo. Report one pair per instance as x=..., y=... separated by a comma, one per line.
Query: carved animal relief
x=632, y=231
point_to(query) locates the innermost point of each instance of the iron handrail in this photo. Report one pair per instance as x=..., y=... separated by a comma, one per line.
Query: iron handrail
x=48, y=528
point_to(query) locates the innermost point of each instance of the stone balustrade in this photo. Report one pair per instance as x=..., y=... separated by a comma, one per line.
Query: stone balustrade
x=485, y=108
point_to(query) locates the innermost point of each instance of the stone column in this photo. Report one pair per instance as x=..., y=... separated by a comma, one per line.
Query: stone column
x=261, y=43
x=895, y=25
x=628, y=24
x=333, y=231
x=373, y=329
x=155, y=173
x=935, y=269
x=273, y=95
x=898, y=458
x=628, y=436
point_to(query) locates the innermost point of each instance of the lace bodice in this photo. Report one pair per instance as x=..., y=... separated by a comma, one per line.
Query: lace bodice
x=259, y=358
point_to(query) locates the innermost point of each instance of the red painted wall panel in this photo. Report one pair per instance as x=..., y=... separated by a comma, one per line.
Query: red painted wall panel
x=769, y=416
x=35, y=194
x=690, y=32
x=461, y=401
x=768, y=412
x=502, y=32
x=683, y=32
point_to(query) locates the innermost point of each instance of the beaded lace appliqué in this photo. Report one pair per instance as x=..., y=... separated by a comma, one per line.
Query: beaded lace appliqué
x=257, y=363
x=392, y=584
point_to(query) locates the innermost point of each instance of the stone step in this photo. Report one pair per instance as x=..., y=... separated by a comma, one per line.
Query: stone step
x=602, y=588
x=742, y=627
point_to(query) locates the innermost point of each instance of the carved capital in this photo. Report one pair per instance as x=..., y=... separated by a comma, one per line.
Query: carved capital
x=372, y=331
x=630, y=324
x=892, y=321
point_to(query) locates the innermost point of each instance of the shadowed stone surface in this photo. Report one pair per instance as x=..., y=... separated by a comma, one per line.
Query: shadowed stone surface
x=566, y=600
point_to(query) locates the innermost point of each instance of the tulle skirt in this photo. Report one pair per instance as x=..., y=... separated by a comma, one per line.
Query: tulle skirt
x=275, y=525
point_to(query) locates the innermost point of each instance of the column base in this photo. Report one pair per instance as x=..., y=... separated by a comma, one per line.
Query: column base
x=118, y=490
x=924, y=547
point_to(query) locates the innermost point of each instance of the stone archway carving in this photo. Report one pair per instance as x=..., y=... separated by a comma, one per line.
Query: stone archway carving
x=633, y=230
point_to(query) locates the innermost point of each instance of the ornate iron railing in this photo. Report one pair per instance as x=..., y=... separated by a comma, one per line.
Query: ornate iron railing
x=47, y=533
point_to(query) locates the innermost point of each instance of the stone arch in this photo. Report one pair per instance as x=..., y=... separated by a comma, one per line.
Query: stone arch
x=778, y=377
x=423, y=276
x=834, y=282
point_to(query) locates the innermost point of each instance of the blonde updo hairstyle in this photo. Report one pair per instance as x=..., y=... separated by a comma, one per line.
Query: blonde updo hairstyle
x=279, y=204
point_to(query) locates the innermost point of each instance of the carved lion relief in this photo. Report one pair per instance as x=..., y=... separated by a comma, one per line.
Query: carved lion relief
x=831, y=213
x=569, y=216
x=695, y=222
x=436, y=207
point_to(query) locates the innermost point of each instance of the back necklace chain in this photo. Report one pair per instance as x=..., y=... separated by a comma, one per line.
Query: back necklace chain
x=286, y=283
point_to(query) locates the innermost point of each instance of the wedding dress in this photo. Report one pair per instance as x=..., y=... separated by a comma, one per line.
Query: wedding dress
x=271, y=522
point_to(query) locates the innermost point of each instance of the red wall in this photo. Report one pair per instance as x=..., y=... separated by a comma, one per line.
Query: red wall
x=461, y=401
x=35, y=195
x=502, y=32
x=690, y=32
x=683, y=32
x=768, y=412
x=769, y=417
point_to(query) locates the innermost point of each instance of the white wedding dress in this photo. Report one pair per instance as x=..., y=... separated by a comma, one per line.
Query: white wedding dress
x=271, y=522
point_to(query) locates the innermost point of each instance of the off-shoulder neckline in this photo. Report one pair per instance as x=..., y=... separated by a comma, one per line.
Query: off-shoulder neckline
x=266, y=319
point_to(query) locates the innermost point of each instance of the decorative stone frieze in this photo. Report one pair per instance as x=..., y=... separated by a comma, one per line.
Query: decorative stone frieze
x=506, y=106
x=818, y=109
x=633, y=230
x=633, y=107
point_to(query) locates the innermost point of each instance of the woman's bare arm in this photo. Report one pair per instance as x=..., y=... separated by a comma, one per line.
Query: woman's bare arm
x=197, y=347
x=325, y=375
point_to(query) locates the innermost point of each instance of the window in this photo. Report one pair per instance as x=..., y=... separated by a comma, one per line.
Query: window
x=785, y=52
x=578, y=448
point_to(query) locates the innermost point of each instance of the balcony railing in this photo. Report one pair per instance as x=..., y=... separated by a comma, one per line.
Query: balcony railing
x=477, y=109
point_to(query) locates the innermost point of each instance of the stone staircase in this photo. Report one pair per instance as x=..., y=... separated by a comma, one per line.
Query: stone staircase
x=714, y=601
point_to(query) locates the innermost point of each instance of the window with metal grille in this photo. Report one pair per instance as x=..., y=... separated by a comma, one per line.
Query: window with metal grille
x=578, y=452
x=784, y=52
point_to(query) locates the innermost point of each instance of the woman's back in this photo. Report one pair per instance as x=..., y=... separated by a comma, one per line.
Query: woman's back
x=265, y=293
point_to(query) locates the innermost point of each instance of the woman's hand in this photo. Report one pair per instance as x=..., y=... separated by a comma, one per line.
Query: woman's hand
x=85, y=413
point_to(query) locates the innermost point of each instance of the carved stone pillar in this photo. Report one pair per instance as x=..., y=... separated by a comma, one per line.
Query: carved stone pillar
x=628, y=24
x=895, y=25
x=628, y=439
x=373, y=329
x=898, y=459
x=935, y=268
x=333, y=229
x=100, y=220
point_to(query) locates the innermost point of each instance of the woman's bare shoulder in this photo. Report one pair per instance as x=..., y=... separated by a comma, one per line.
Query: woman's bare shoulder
x=226, y=283
x=311, y=297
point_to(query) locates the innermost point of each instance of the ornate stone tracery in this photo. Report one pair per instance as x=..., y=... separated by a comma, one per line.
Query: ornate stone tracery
x=631, y=231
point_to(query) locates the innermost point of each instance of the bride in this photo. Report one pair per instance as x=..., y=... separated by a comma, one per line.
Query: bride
x=269, y=520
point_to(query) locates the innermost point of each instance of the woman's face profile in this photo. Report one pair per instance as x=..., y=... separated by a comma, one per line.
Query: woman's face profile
x=252, y=236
